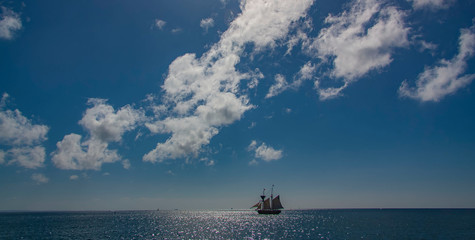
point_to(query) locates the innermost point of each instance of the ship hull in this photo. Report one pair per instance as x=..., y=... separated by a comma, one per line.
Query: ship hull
x=269, y=211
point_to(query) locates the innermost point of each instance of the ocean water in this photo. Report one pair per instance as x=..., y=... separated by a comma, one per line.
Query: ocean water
x=298, y=224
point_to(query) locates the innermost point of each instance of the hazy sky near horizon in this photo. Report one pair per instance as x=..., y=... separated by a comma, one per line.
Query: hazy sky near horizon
x=109, y=105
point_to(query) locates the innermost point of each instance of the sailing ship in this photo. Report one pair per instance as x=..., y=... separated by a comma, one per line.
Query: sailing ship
x=270, y=205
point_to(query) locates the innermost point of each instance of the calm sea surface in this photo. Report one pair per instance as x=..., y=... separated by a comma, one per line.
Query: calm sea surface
x=302, y=224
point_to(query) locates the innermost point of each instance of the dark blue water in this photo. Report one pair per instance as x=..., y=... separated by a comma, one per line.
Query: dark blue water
x=304, y=224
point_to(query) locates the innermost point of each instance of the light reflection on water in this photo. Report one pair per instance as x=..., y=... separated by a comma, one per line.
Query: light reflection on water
x=306, y=224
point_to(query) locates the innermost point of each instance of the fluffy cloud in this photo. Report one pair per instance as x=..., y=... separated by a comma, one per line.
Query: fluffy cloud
x=447, y=77
x=28, y=157
x=21, y=137
x=73, y=154
x=39, y=178
x=104, y=125
x=10, y=22
x=202, y=94
x=264, y=152
x=74, y=177
x=15, y=129
x=358, y=41
x=207, y=23
x=160, y=24
x=431, y=4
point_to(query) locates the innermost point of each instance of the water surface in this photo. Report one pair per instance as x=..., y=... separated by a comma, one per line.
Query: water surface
x=298, y=224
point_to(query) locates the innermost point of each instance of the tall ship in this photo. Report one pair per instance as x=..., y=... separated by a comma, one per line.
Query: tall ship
x=270, y=205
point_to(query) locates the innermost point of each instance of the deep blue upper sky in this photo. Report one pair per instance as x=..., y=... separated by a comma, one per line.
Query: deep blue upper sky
x=186, y=104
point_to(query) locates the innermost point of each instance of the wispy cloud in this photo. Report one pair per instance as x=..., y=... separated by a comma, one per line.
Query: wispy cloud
x=10, y=22
x=126, y=164
x=203, y=93
x=23, y=138
x=104, y=125
x=306, y=72
x=207, y=23
x=448, y=76
x=278, y=87
x=39, y=178
x=431, y=4
x=160, y=24
x=177, y=30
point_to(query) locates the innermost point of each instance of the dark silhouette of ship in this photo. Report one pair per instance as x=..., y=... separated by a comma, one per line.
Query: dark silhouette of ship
x=270, y=205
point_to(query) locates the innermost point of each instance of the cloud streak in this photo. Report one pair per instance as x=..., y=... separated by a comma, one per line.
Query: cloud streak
x=431, y=4
x=447, y=76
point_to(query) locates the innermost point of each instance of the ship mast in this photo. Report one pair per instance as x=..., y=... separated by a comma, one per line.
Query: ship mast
x=262, y=197
x=271, y=195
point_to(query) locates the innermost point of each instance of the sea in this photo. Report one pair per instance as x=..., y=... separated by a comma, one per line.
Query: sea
x=242, y=224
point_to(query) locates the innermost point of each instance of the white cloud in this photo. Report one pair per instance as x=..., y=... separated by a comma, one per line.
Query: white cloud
x=252, y=146
x=264, y=152
x=107, y=125
x=202, y=94
x=207, y=23
x=39, y=178
x=90, y=154
x=447, y=77
x=104, y=125
x=306, y=72
x=74, y=177
x=431, y=4
x=15, y=129
x=208, y=162
x=22, y=138
x=358, y=41
x=278, y=87
x=267, y=153
x=126, y=164
x=329, y=92
x=28, y=157
x=427, y=46
x=253, y=162
x=176, y=30
x=10, y=22
x=160, y=24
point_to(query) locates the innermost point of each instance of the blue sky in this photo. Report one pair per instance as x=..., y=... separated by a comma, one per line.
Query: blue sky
x=199, y=105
